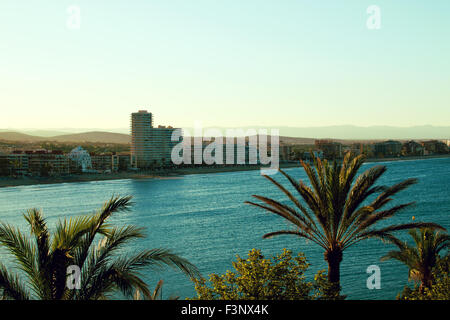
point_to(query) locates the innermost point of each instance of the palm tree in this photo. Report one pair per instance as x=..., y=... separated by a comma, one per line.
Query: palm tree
x=335, y=216
x=421, y=258
x=88, y=242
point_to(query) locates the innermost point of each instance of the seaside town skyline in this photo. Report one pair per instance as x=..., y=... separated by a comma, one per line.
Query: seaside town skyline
x=152, y=147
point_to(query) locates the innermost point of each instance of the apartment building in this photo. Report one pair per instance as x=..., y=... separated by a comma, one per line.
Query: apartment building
x=435, y=147
x=47, y=163
x=331, y=149
x=150, y=146
x=15, y=163
x=388, y=148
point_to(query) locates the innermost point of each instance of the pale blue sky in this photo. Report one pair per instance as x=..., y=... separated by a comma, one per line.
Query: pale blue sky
x=226, y=63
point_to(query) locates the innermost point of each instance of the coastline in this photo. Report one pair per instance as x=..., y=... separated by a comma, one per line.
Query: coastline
x=6, y=182
x=437, y=156
x=24, y=181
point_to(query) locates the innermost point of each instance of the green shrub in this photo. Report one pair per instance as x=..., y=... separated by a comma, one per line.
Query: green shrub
x=440, y=288
x=258, y=278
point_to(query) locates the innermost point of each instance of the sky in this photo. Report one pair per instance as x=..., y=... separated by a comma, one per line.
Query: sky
x=224, y=63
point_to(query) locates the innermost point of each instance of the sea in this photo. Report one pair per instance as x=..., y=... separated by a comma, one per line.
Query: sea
x=203, y=217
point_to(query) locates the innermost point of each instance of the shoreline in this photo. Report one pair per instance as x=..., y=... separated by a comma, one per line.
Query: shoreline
x=6, y=182
x=437, y=156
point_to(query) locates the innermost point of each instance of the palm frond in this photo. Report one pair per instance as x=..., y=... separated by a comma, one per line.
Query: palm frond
x=159, y=258
x=24, y=251
x=102, y=254
x=291, y=197
x=385, y=233
x=293, y=232
x=11, y=287
x=380, y=200
x=39, y=230
x=370, y=218
x=97, y=226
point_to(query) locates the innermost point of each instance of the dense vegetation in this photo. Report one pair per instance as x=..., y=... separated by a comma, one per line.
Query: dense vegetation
x=439, y=288
x=259, y=278
x=427, y=268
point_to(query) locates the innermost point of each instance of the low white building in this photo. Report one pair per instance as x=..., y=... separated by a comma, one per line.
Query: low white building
x=82, y=158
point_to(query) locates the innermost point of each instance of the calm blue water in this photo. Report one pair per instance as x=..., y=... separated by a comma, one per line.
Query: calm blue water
x=203, y=218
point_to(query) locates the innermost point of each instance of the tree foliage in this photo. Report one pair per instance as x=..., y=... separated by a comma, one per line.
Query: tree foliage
x=439, y=289
x=422, y=257
x=259, y=278
x=90, y=243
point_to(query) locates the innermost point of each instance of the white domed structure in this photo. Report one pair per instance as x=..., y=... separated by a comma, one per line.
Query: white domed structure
x=82, y=158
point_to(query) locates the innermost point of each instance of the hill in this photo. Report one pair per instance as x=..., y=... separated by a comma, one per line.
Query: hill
x=17, y=136
x=100, y=137
x=288, y=135
x=351, y=132
x=96, y=136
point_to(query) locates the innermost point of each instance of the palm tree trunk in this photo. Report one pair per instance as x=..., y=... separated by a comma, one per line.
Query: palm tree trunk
x=334, y=258
x=426, y=280
x=59, y=274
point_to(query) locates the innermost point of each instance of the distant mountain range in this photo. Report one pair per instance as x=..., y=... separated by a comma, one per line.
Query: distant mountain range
x=349, y=132
x=99, y=137
x=63, y=131
x=291, y=135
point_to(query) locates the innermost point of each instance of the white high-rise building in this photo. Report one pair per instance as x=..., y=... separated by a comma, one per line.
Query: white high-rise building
x=149, y=146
